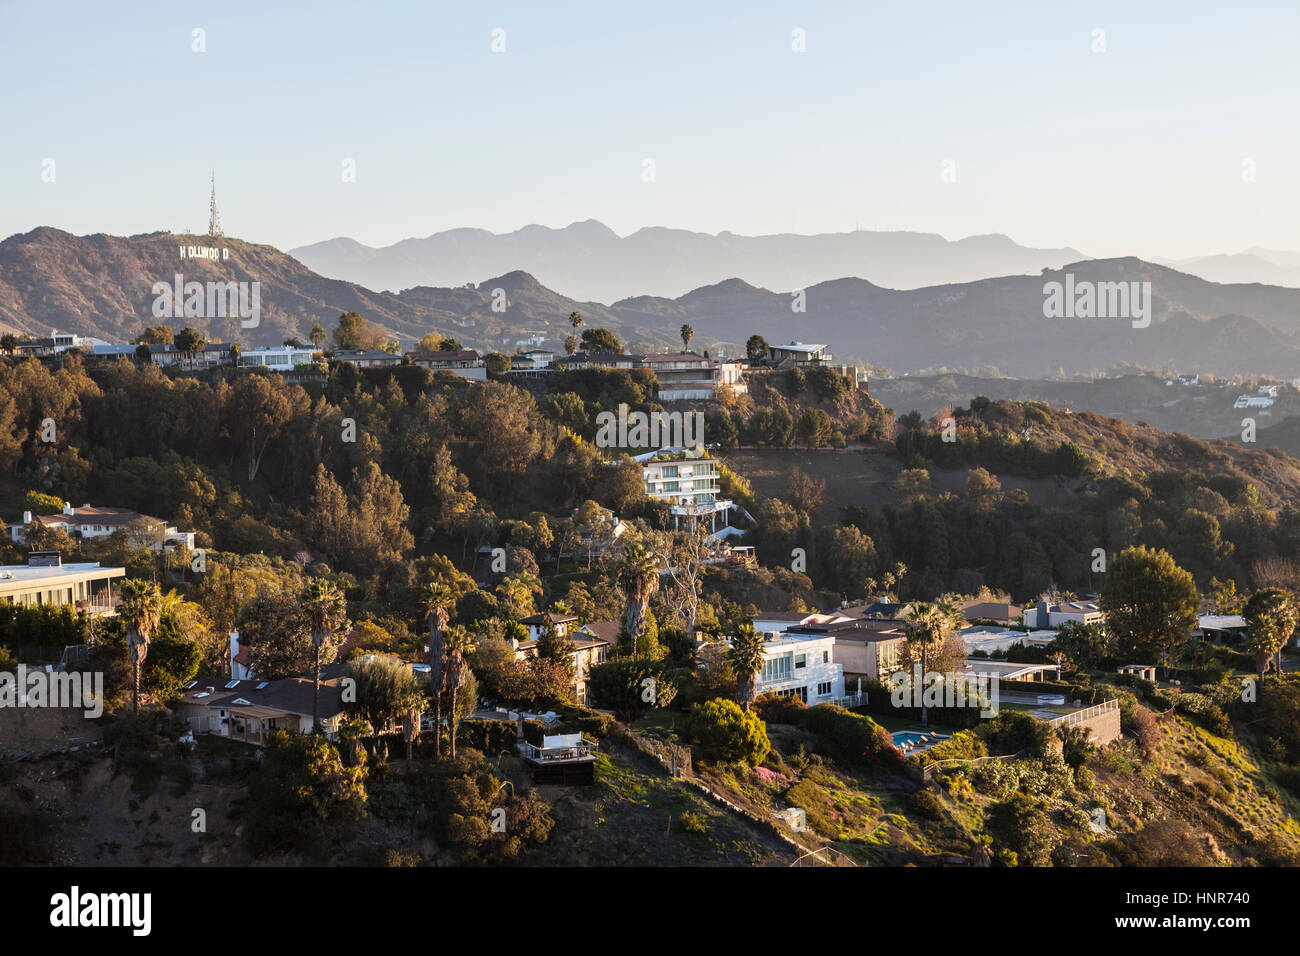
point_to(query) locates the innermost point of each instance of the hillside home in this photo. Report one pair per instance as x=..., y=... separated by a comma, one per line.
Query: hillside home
x=802, y=666
x=590, y=647
x=88, y=522
x=688, y=376
x=463, y=363
x=1054, y=615
x=249, y=709
x=46, y=580
x=799, y=355
x=1000, y=612
x=367, y=358
x=689, y=480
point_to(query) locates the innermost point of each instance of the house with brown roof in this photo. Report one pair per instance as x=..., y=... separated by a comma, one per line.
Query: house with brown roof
x=591, y=645
x=250, y=709
x=463, y=363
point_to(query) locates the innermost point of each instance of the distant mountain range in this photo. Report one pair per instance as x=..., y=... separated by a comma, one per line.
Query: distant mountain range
x=588, y=260
x=1265, y=266
x=101, y=285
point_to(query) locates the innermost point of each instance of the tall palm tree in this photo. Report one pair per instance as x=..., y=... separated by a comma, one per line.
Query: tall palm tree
x=457, y=642
x=687, y=333
x=575, y=320
x=436, y=600
x=411, y=707
x=927, y=624
x=141, y=609
x=746, y=656
x=317, y=335
x=638, y=576
x=326, y=613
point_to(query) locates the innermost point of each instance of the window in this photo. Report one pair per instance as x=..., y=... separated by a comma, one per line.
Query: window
x=776, y=668
x=824, y=690
x=826, y=657
x=800, y=660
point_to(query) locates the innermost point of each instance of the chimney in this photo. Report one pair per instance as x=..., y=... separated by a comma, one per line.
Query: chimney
x=234, y=650
x=519, y=728
x=1042, y=618
x=27, y=517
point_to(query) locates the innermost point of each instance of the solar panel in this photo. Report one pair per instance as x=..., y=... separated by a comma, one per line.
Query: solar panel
x=232, y=684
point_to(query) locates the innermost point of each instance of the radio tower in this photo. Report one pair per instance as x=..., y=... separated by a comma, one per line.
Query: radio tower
x=214, y=219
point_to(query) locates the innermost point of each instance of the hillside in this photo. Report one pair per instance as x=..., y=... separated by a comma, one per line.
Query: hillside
x=1196, y=326
x=1203, y=411
x=102, y=286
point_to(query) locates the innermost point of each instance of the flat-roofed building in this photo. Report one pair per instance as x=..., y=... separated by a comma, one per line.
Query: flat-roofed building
x=46, y=580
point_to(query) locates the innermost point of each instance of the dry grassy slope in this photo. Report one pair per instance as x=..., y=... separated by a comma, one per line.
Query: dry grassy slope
x=1126, y=449
x=1201, y=800
x=1203, y=411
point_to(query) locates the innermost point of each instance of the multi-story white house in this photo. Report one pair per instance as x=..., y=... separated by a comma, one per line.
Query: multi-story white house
x=802, y=666
x=689, y=479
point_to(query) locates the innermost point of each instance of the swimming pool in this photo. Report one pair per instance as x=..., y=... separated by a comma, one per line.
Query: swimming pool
x=917, y=740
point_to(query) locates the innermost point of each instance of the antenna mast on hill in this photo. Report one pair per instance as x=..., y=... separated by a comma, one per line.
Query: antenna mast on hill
x=214, y=219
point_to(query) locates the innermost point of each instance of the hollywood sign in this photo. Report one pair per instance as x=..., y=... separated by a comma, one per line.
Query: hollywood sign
x=204, y=252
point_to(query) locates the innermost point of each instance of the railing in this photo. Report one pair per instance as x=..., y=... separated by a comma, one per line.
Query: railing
x=1086, y=714
x=853, y=700
x=583, y=751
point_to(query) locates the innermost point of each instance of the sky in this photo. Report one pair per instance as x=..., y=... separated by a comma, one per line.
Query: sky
x=1171, y=133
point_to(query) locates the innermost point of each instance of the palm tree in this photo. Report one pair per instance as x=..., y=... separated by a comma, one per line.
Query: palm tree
x=638, y=576
x=926, y=625
x=412, y=706
x=317, y=335
x=687, y=333
x=326, y=613
x=141, y=608
x=746, y=657
x=436, y=601
x=575, y=320
x=457, y=642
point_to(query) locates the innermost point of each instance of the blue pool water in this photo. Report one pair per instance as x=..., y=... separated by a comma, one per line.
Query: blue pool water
x=907, y=737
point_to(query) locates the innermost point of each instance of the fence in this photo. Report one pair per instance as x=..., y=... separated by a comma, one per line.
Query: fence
x=1066, y=720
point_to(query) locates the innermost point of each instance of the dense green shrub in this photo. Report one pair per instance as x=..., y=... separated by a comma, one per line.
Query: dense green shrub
x=963, y=745
x=1021, y=831
x=728, y=733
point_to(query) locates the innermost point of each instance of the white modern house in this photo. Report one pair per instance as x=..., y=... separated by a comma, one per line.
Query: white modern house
x=280, y=358
x=46, y=580
x=802, y=666
x=689, y=480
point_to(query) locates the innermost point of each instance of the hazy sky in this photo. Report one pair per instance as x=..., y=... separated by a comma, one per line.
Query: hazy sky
x=1135, y=150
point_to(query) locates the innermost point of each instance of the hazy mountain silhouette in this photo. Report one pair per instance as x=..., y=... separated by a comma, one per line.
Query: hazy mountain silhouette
x=587, y=260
